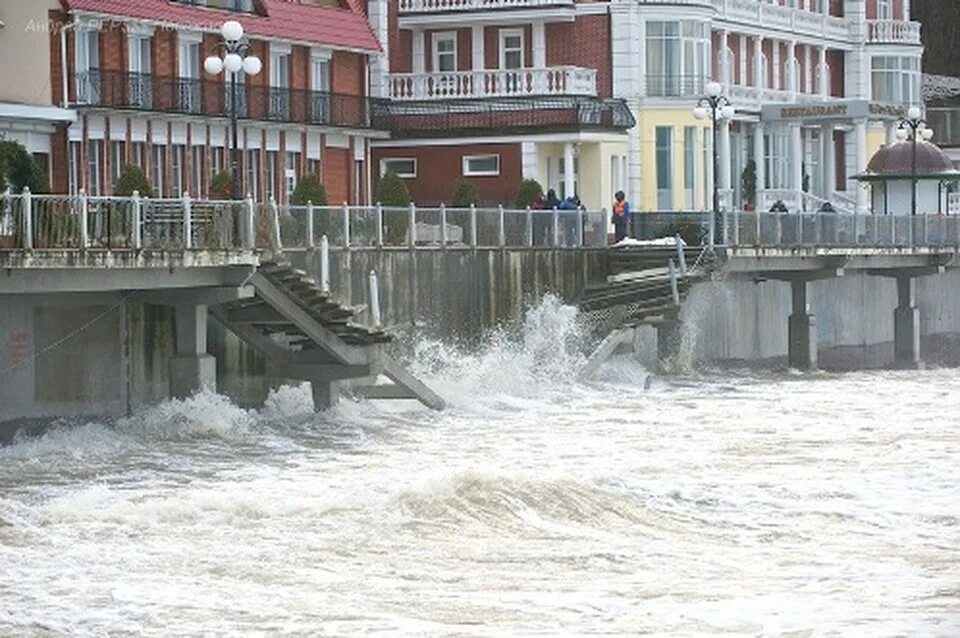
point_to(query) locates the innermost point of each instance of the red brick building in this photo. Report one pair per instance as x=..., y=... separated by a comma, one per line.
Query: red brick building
x=136, y=79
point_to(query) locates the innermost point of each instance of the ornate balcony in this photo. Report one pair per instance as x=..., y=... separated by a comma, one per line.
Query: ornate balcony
x=781, y=18
x=893, y=32
x=438, y=6
x=564, y=80
x=141, y=92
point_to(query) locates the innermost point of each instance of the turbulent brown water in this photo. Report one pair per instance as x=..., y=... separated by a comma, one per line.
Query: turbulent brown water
x=802, y=505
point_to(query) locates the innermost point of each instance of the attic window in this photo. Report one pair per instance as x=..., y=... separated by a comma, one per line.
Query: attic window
x=237, y=6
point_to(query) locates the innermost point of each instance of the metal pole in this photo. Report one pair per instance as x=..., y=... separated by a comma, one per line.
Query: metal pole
x=716, y=179
x=681, y=255
x=379, y=216
x=234, y=151
x=251, y=224
x=413, y=225
x=529, y=226
x=375, y=319
x=443, y=226
x=346, y=225
x=310, y=225
x=501, y=228
x=556, y=228
x=325, y=265
x=187, y=222
x=84, y=211
x=275, y=218
x=473, y=226
x=674, y=289
x=137, y=236
x=27, y=219
x=913, y=172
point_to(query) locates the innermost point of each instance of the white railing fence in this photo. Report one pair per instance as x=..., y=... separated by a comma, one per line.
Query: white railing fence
x=560, y=80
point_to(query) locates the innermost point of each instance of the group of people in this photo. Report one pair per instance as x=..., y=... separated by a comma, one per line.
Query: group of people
x=620, y=217
x=551, y=201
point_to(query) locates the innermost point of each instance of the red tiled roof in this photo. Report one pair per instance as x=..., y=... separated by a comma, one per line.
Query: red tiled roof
x=286, y=19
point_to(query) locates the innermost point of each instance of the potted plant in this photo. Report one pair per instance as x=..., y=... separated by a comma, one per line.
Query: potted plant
x=748, y=186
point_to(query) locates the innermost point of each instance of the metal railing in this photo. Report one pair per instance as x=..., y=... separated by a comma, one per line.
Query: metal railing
x=146, y=92
x=675, y=85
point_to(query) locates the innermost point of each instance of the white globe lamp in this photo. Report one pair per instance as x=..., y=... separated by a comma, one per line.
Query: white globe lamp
x=699, y=112
x=213, y=65
x=927, y=134
x=252, y=65
x=713, y=89
x=232, y=31
x=913, y=113
x=233, y=63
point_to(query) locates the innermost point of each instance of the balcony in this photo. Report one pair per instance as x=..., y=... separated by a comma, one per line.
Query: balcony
x=775, y=17
x=675, y=86
x=439, y=6
x=564, y=80
x=142, y=92
x=893, y=32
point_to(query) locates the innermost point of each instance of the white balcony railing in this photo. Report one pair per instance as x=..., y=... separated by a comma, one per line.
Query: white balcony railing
x=432, y=6
x=893, y=31
x=763, y=14
x=561, y=80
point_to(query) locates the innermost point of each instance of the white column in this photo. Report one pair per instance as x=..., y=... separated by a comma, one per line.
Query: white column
x=796, y=162
x=568, y=174
x=539, y=45
x=634, y=163
x=807, y=71
x=743, y=61
x=824, y=89
x=775, y=64
x=724, y=181
x=891, y=133
x=793, y=79
x=724, y=60
x=419, y=53
x=860, y=153
x=477, y=42
x=761, y=162
x=829, y=156
x=758, y=80
x=530, y=160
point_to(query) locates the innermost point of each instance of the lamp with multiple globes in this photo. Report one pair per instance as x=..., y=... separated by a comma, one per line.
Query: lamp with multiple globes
x=717, y=107
x=911, y=127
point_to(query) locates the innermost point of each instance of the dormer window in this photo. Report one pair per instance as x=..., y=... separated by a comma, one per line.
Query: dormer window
x=237, y=6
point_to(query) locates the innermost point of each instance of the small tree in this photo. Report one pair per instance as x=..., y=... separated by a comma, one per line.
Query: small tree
x=221, y=185
x=19, y=171
x=528, y=192
x=464, y=194
x=132, y=179
x=748, y=183
x=309, y=189
x=391, y=191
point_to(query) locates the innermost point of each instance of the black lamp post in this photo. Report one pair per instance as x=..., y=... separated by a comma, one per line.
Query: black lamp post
x=237, y=57
x=911, y=126
x=716, y=107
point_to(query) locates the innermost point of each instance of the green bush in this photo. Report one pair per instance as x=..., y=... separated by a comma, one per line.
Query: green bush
x=221, y=186
x=691, y=232
x=19, y=171
x=748, y=183
x=529, y=191
x=132, y=179
x=465, y=194
x=391, y=191
x=309, y=189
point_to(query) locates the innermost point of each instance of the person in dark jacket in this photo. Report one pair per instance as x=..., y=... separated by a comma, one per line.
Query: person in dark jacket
x=552, y=200
x=621, y=216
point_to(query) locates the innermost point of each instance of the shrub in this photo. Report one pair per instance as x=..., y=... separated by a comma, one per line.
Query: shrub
x=391, y=191
x=132, y=179
x=309, y=189
x=748, y=182
x=221, y=186
x=528, y=193
x=464, y=194
x=19, y=171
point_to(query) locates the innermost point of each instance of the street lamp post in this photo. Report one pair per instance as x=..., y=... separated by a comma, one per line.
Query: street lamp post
x=237, y=57
x=910, y=126
x=717, y=107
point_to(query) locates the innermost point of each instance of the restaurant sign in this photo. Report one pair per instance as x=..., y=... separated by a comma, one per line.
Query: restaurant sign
x=846, y=110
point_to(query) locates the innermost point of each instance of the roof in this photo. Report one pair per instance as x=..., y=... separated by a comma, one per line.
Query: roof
x=940, y=88
x=896, y=161
x=285, y=20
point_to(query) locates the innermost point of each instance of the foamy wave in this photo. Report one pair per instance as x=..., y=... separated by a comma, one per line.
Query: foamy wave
x=205, y=414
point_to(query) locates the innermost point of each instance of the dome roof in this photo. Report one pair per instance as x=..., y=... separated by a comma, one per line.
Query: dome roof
x=895, y=160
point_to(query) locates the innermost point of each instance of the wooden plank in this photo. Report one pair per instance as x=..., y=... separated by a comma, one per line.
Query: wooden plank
x=607, y=348
x=401, y=377
x=391, y=391
x=263, y=314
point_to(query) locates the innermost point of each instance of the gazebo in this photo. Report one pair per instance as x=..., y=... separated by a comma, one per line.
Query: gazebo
x=890, y=176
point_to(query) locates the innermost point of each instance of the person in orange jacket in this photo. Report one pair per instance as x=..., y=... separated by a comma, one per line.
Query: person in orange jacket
x=621, y=216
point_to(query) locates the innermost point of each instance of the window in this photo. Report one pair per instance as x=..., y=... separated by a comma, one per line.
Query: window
x=402, y=166
x=74, y=175
x=271, y=182
x=216, y=159
x=883, y=10
x=118, y=159
x=141, y=87
x=280, y=85
x=664, y=163
x=196, y=183
x=237, y=6
x=895, y=80
x=253, y=173
x=94, y=166
x=313, y=167
x=137, y=154
x=689, y=166
x=189, y=85
x=159, y=168
x=511, y=48
x=291, y=173
x=88, y=66
x=445, y=52
x=176, y=170
x=481, y=165
x=677, y=58
x=320, y=75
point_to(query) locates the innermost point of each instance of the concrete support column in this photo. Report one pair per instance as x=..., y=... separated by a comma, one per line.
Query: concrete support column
x=796, y=162
x=758, y=80
x=860, y=155
x=724, y=59
x=906, y=325
x=191, y=368
x=829, y=156
x=326, y=394
x=419, y=51
x=669, y=339
x=775, y=65
x=724, y=177
x=634, y=164
x=807, y=71
x=539, y=45
x=801, y=330
x=822, y=72
x=759, y=152
x=742, y=61
x=568, y=172
x=477, y=40
x=793, y=77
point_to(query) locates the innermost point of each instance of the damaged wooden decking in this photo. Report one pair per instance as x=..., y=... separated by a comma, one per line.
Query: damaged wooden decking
x=303, y=334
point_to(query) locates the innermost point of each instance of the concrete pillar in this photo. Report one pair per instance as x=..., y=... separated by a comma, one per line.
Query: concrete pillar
x=724, y=61
x=801, y=330
x=476, y=37
x=793, y=77
x=796, y=163
x=906, y=325
x=539, y=45
x=829, y=156
x=724, y=177
x=807, y=71
x=761, y=162
x=568, y=173
x=822, y=72
x=191, y=368
x=742, y=61
x=634, y=164
x=669, y=338
x=326, y=394
x=419, y=51
x=775, y=65
x=860, y=154
x=758, y=80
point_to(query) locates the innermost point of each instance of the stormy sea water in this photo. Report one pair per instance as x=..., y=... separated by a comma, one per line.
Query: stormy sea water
x=709, y=503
